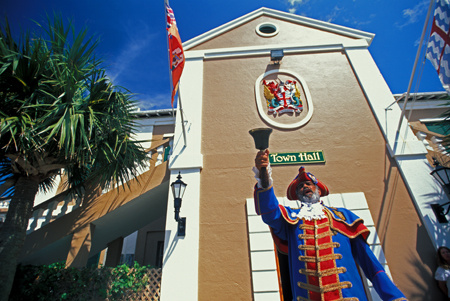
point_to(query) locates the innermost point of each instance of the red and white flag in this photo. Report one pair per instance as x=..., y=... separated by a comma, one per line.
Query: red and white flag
x=176, y=55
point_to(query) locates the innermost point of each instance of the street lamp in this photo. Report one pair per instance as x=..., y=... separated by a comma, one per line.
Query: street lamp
x=442, y=175
x=178, y=188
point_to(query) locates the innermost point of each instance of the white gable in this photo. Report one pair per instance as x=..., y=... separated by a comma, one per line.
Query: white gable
x=325, y=26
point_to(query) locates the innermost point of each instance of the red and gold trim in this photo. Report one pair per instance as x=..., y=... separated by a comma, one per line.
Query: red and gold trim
x=256, y=192
x=350, y=230
x=321, y=271
x=323, y=258
x=286, y=216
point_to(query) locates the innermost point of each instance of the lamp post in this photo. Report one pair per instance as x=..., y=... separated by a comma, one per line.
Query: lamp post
x=178, y=188
x=442, y=175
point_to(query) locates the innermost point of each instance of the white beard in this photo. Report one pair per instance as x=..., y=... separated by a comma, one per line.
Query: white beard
x=311, y=208
x=314, y=198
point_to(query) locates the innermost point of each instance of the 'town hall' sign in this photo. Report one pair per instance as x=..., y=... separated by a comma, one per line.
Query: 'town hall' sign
x=296, y=158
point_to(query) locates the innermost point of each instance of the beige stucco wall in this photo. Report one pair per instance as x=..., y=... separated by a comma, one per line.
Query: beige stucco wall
x=356, y=161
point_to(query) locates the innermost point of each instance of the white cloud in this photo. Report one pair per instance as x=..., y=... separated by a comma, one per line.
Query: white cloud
x=295, y=2
x=124, y=59
x=137, y=46
x=411, y=15
x=154, y=101
x=333, y=14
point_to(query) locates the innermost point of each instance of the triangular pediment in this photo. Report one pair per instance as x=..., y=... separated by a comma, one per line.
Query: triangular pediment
x=241, y=32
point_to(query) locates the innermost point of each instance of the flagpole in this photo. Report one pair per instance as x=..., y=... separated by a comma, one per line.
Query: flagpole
x=180, y=108
x=182, y=117
x=166, y=2
x=419, y=50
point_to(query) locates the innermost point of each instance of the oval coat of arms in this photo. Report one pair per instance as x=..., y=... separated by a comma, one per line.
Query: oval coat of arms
x=283, y=99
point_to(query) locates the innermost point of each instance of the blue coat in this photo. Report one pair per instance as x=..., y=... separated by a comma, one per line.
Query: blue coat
x=323, y=253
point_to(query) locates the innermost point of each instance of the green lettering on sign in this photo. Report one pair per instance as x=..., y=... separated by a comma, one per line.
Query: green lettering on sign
x=296, y=158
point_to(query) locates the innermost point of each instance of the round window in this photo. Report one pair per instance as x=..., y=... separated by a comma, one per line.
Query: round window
x=267, y=29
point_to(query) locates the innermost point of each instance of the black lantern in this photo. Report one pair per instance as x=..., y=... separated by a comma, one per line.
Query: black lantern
x=442, y=175
x=178, y=188
x=276, y=55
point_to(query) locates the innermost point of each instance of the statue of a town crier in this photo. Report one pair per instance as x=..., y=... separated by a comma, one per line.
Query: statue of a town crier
x=323, y=244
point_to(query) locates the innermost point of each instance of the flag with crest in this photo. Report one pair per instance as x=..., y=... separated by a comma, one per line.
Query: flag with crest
x=176, y=55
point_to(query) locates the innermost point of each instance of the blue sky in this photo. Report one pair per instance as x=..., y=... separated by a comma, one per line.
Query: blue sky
x=133, y=36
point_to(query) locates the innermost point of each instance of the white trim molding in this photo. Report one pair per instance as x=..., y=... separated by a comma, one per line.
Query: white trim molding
x=264, y=50
x=180, y=262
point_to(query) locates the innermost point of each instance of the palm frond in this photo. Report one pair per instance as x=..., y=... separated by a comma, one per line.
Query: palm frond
x=58, y=105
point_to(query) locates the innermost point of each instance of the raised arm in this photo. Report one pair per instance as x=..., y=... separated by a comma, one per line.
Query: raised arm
x=262, y=164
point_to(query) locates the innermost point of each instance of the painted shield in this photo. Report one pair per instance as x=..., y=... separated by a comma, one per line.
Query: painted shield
x=283, y=99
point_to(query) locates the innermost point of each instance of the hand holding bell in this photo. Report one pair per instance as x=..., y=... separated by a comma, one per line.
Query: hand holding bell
x=261, y=138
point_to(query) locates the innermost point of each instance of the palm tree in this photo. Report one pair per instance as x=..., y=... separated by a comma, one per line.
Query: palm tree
x=58, y=112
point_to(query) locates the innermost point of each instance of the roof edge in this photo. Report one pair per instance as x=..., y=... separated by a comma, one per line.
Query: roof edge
x=153, y=113
x=283, y=16
x=437, y=95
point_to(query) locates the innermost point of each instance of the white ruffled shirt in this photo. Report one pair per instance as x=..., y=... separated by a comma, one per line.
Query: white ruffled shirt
x=308, y=211
x=311, y=211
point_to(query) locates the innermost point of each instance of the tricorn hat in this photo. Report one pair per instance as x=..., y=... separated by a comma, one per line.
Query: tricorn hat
x=302, y=177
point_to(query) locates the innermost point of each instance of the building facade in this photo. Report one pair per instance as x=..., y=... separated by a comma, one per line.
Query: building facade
x=329, y=110
x=371, y=164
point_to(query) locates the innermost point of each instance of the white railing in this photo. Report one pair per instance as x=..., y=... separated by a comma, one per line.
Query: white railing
x=52, y=209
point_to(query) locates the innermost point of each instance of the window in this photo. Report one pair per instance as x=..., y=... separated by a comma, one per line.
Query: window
x=166, y=153
x=267, y=30
x=159, y=254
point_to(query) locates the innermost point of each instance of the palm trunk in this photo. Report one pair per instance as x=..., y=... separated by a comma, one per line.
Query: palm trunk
x=13, y=231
